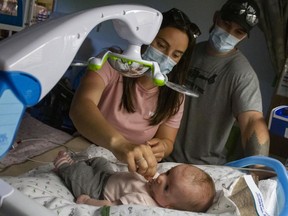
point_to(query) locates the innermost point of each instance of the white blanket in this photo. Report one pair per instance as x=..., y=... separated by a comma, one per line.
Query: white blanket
x=46, y=188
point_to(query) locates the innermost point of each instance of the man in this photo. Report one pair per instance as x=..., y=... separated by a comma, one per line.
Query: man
x=229, y=91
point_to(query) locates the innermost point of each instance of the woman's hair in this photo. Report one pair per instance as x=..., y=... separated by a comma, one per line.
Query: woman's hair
x=169, y=100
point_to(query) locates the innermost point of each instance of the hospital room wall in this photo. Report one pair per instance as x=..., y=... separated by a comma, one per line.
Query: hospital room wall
x=200, y=11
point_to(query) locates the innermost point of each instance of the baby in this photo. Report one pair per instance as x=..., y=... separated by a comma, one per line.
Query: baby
x=93, y=182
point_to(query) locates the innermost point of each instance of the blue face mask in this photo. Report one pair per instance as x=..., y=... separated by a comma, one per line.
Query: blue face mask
x=221, y=40
x=166, y=64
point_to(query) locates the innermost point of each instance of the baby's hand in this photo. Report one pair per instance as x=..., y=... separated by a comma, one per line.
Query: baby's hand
x=82, y=199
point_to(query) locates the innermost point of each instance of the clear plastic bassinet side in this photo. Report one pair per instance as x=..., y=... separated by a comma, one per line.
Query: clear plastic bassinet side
x=282, y=177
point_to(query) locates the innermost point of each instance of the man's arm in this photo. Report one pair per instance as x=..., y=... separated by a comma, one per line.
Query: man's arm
x=254, y=133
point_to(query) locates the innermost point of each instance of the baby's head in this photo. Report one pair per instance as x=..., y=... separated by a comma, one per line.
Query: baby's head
x=184, y=187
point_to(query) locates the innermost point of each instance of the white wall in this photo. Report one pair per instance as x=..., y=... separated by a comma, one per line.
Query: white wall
x=200, y=12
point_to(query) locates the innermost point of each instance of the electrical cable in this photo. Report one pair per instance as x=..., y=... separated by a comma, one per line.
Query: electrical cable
x=14, y=146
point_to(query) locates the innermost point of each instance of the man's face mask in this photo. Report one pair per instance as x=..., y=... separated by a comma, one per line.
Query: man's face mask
x=221, y=40
x=166, y=64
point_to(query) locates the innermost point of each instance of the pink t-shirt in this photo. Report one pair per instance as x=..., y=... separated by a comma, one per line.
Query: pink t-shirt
x=129, y=188
x=133, y=126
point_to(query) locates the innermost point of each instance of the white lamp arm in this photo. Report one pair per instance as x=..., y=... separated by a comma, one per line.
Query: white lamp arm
x=33, y=60
x=47, y=49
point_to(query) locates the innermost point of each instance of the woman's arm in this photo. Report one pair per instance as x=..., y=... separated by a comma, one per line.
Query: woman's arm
x=163, y=142
x=90, y=122
x=86, y=116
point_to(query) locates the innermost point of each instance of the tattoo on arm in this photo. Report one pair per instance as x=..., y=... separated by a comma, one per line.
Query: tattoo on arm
x=253, y=147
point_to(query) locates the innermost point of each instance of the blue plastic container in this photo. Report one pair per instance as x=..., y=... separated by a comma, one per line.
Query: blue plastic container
x=278, y=121
x=282, y=177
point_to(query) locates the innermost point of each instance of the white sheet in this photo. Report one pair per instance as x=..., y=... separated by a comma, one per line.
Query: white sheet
x=46, y=188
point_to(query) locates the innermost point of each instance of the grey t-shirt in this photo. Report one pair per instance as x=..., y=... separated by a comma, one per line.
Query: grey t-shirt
x=227, y=86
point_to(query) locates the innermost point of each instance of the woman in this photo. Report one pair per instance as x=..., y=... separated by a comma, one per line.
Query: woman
x=118, y=112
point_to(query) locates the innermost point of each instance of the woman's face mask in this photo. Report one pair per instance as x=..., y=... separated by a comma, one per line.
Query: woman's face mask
x=221, y=40
x=166, y=64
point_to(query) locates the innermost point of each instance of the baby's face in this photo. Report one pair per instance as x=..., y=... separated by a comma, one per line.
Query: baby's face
x=168, y=187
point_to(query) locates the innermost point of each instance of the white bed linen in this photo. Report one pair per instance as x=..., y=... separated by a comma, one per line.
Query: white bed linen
x=46, y=188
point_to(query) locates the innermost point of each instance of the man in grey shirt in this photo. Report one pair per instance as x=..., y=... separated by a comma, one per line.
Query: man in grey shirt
x=229, y=90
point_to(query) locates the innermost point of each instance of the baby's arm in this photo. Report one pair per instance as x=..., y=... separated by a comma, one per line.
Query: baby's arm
x=85, y=199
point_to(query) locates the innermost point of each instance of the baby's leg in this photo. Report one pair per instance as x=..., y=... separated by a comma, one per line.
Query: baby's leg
x=83, y=178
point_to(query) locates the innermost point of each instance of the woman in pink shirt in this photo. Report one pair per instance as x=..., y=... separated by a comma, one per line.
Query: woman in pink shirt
x=132, y=117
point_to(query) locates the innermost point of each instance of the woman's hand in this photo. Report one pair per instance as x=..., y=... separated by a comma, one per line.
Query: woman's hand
x=159, y=147
x=140, y=158
x=163, y=141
